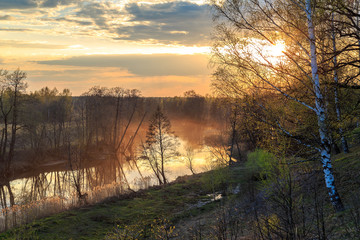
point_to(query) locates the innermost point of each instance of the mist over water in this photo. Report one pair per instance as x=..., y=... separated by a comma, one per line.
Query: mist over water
x=60, y=182
x=74, y=151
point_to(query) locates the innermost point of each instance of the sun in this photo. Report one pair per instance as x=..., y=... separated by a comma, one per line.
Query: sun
x=277, y=50
x=274, y=54
x=264, y=52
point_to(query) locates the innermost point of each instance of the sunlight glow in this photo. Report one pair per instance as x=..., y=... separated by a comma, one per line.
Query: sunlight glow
x=277, y=50
x=273, y=54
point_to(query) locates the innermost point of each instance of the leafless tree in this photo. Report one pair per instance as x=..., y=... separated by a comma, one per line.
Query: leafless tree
x=161, y=145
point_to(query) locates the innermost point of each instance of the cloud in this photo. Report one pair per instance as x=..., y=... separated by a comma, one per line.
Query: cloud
x=179, y=22
x=143, y=65
x=25, y=4
x=55, y=3
x=17, y=4
x=164, y=12
x=16, y=29
x=7, y=18
x=100, y=13
x=176, y=22
x=65, y=19
x=24, y=44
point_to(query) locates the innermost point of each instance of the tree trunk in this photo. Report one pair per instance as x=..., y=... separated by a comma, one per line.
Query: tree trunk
x=116, y=121
x=162, y=153
x=336, y=91
x=13, y=131
x=11, y=195
x=322, y=118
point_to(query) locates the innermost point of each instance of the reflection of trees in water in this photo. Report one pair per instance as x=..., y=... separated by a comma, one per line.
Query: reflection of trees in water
x=102, y=125
x=100, y=122
x=44, y=185
x=6, y=195
x=53, y=192
x=64, y=183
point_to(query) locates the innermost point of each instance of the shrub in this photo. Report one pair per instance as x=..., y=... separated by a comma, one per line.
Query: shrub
x=215, y=180
x=260, y=164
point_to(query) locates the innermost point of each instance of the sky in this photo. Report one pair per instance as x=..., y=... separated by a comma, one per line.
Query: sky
x=159, y=47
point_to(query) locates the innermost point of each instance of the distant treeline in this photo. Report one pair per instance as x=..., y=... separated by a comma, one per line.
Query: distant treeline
x=45, y=124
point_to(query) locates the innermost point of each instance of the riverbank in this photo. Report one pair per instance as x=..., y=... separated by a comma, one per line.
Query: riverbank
x=188, y=196
x=232, y=201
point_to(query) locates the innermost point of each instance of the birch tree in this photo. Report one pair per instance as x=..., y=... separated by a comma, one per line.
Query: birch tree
x=248, y=31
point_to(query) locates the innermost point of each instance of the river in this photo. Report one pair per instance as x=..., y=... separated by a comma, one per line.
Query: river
x=50, y=192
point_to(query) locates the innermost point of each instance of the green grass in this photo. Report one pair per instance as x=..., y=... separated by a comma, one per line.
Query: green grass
x=347, y=170
x=175, y=202
x=94, y=222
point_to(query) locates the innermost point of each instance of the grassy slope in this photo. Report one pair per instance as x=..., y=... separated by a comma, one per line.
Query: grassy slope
x=347, y=170
x=173, y=202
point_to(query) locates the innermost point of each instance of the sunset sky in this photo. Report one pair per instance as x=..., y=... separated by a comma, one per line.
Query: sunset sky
x=158, y=47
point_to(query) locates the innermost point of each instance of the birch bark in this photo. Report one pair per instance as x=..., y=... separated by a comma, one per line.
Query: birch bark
x=322, y=116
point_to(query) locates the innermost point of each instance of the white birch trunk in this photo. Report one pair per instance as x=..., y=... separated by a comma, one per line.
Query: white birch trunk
x=322, y=117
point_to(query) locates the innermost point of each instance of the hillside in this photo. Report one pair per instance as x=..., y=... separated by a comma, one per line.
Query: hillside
x=212, y=205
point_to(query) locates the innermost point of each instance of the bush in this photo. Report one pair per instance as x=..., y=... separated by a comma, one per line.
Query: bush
x=215, y=180
x=260, y=164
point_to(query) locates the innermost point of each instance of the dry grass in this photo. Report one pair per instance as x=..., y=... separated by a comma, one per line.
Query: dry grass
x=22, y=214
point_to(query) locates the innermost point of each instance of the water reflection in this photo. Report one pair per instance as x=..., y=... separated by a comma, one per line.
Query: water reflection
x=46, y=193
